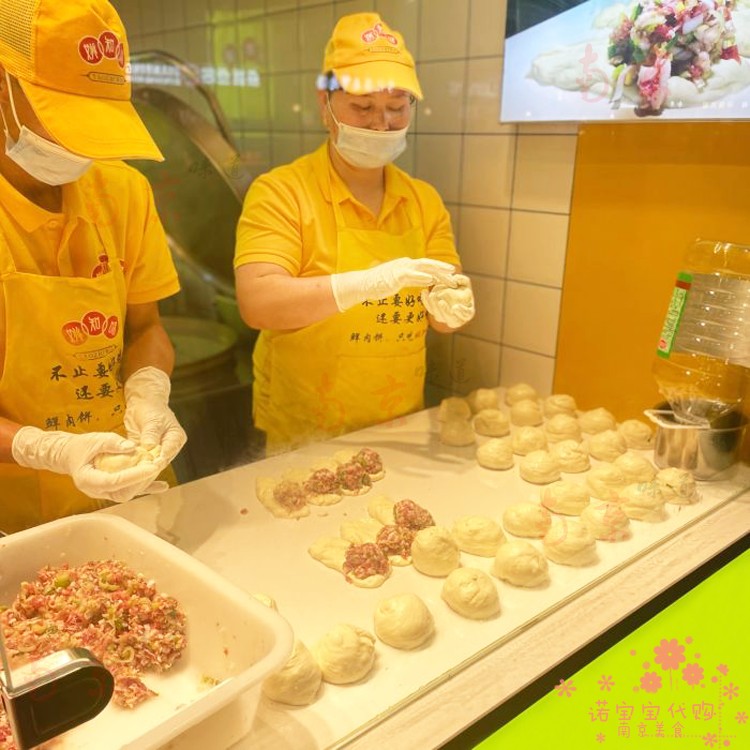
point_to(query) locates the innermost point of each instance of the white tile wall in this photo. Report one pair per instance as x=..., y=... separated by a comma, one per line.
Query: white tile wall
x=507, y=186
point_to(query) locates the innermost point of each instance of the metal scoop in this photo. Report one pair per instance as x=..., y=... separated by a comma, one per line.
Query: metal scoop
x=49, y=696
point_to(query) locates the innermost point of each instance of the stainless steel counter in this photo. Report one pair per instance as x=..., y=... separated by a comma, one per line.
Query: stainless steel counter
x=422, y=698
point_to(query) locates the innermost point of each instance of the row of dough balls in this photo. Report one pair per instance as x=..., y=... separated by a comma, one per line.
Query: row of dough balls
x=554, y=419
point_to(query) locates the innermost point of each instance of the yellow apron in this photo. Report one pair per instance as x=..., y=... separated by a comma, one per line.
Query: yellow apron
x=358, y=368
x=63, y=344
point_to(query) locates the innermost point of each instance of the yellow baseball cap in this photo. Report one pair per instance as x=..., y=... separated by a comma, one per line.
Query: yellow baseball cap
x=71, y=58
x=366, y=55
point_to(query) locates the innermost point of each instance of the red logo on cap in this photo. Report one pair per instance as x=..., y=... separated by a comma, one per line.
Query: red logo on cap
x=109, y=41
x=90, y=49
x=376, y=31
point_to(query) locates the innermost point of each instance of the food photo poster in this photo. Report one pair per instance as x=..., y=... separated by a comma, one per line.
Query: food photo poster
x=647, y=60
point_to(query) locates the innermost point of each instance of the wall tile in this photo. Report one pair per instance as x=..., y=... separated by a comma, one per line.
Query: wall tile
x=130, y=14
x=152, y=19
x=439, y=359
x=352, y=6
x=438, y=160
x=176, y=43
x=222, y=11
x=316, y=24
x=249, y=8
x=482, y=97
x=517, y=366
x=531, y=317
x=476, y=364
x=199, y=46
x=311, y=119
x=548, y=128
x=444, y=30
x=544, y=173
x=442, y=110
x=488, y=298
x=283, y=42
x=274, y=6
x=483, y=240
x=404, y=17
x=196, y=11
x=285, y=102
x=487, y=170
x=251, y=41
x=311, y=141
x=537, y=248
x=487, y=27
x=408, y=159
x=285, y=147
x=256, y=152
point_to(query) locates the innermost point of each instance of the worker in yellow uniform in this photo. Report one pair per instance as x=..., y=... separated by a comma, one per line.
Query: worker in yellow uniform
x=84, y=359
x=337, y=253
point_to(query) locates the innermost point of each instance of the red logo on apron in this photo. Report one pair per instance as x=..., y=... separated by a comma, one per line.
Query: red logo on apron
x=90, y=50
x=74, y=333
x=93, y=323
x=103, y=266
x=112, y=326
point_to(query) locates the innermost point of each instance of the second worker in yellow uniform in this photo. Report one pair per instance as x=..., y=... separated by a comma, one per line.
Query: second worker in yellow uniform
x=337, y=253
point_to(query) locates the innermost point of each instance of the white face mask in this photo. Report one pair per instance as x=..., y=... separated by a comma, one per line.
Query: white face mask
x=369, y=149
x=45, y=161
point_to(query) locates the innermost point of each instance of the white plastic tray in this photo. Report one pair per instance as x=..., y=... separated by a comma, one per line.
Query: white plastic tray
x=232, y=638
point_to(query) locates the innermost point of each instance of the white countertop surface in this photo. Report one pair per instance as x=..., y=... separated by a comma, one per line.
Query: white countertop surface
x=469, y=667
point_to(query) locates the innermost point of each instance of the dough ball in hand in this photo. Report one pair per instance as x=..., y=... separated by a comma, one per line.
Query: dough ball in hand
x=114, y=462
x=471, y=593
x=345, y=654
x=403, y=621
x=297, y=683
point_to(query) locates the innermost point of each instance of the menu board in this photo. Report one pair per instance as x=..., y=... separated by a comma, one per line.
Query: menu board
x=641, y=60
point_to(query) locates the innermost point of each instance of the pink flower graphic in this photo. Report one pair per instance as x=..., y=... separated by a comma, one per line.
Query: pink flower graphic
x=692, y=674
x=741, y=717
x=731, y=691
x=566, y=688
x=723, y=668
x=600, y=737
x=606, y=682
x=651, y=682
x=669, y=654
x=709, y=740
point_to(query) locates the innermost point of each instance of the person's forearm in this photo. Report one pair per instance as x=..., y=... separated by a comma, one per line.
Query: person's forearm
x=148, y=347
x=8, y=431
x=277, y=302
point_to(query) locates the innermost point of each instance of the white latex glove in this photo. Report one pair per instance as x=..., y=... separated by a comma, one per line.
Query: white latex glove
x=352, y=287
x=450, y=301
x=72, y=454
x=148, y=419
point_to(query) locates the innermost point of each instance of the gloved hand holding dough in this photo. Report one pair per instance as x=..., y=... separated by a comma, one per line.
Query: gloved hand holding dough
x=148, y=419
x=352, y=287
x=72, y=454
x=450, y=301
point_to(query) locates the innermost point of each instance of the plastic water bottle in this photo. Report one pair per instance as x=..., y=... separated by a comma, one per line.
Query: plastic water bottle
x=704, y=345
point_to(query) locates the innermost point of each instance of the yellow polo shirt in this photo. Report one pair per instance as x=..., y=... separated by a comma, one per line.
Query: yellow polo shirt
x=111, y=206
x=288, y=219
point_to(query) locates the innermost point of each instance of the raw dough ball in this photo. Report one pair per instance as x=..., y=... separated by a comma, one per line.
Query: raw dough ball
x=607, y=445
x=527, y=519
x=496, y=453
x=113, y=462
x=527, y=439
x=539, y=467
x=477, y=535
x=597, y=420
x=562, y=427
x=331, y=551
x=568, y=498
x=483, y=398
x=454, y=407
x=471, y=593
x=570, y=543
x=520, y=392
x=607, y=521
x=521, y=564
x=435, y=552
x=380, y=508
x=403, y=621
x=637, y=434
x=643, y=501
x=345, y=654
x=605, y=482
x=298, y=681
x=526, y=412
x=360, y=531
x=635, y=467
x=573, y=457
x=491, y=422
x=677, y=486
x=559, y=403
x=457, y=432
